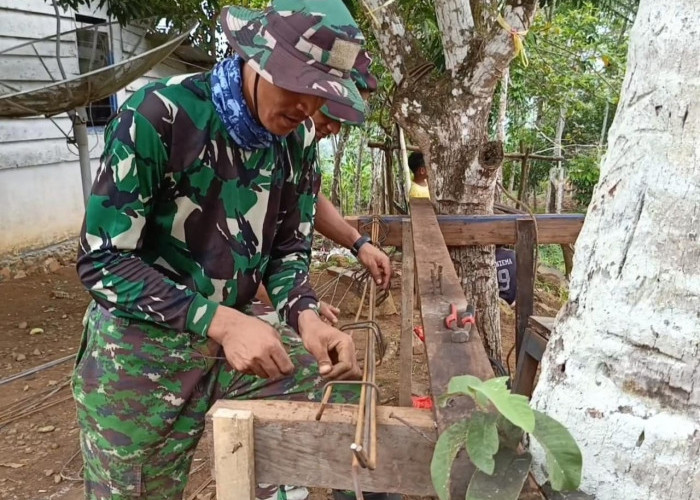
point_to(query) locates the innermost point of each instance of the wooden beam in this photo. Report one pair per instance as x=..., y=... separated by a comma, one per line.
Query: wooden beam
x=458, y=230
x=406, y=345
x=233, y=451
x=534, y=344
x=445, y=358
x=291, y=447
x=519, y=156
x=525, y=279
x=508, y=156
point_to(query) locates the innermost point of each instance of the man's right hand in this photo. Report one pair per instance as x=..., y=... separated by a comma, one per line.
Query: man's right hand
x=251, y=345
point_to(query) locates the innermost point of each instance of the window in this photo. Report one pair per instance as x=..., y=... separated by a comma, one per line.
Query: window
x=94, y=53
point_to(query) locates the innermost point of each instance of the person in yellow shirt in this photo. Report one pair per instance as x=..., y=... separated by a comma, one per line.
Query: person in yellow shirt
x=419, y=184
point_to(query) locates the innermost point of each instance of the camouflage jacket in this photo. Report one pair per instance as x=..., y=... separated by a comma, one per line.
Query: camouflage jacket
x=181, y=219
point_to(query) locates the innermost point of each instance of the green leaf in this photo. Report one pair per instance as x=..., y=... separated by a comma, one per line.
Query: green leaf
x=514, y=407
x=464, y=384
x=448, y=445
x=564, y=460
x=510, y=435
x=482, y=441
x=506, y=482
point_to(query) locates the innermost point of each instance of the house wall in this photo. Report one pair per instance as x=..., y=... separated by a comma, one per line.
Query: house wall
x=41, y=199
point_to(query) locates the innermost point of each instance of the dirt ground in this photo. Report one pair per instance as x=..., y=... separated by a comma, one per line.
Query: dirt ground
x=40, y=321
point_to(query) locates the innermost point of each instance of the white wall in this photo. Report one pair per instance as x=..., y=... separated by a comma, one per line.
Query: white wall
x=41, y=198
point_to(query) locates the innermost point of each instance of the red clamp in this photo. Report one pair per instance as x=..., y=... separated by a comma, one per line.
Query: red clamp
x=460, y=323
x=461, y=319
x=418, y=330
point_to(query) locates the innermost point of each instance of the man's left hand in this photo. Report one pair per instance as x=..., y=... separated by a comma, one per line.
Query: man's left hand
x=377, y=263
x=334, y=350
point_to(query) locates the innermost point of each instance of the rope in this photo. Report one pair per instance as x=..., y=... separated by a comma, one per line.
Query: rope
x=518, y=40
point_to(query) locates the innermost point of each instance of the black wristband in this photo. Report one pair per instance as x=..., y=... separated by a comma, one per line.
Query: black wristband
x=358, y=244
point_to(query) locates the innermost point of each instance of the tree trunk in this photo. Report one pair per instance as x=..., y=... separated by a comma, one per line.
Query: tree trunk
x=621, y=369
x=501, y=125
x=337, y=164
x=389, y=180
x=555, y=187
x=404, y=165
x=446, y=113
x=524, y=173
x=462, y=166
x=377, y=202
x=358, y=174
x=604, y=129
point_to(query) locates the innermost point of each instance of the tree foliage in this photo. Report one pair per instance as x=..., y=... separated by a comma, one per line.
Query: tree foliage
x=577, y=60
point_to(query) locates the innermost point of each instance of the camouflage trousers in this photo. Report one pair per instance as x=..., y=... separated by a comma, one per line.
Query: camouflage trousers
x=142, y=393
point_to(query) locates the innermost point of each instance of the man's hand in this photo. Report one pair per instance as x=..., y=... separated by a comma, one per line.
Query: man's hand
x=333, y=349
x=251, y=346
x=328, y=312
x=377, y=263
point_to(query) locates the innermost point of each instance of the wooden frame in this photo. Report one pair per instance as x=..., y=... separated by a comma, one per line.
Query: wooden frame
x=460, y=230
x=284, y=444
x=406, y=344
x=533, y=346
x=288, y=446
x=445, y=358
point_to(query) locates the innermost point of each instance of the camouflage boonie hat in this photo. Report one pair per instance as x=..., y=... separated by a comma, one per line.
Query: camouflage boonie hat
x=305, y=46
x=364, y=80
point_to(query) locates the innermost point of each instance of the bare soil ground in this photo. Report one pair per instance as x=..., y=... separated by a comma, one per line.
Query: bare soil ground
x=39, y=456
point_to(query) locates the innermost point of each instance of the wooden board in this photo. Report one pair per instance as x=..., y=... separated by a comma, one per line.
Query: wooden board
x=531, y=352
x=233, y=451
x=406, y=346
x=445, y=358
x=525, y=278
x=484, y=229
x=542, y=325
x=291, y=447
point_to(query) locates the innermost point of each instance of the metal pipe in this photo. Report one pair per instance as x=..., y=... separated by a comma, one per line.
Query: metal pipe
x=81, y=140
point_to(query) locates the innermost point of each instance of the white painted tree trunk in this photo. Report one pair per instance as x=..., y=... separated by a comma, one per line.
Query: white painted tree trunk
x=622, y=369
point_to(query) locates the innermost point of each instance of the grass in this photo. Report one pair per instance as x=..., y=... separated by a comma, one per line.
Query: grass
x=552, y=256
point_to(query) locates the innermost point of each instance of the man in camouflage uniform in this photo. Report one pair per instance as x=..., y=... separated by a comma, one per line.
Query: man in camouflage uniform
x=328, y=221
x=205, y=191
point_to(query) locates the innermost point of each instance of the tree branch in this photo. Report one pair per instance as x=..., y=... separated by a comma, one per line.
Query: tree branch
x=454, y=18
x=499, y=49
x=398, y=46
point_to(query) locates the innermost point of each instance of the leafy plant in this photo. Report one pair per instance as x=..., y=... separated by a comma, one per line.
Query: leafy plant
x=584, y=173
x=492, y=438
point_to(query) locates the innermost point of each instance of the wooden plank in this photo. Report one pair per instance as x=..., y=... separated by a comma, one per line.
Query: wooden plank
x=234, y=457
x=529, y=359
x=484, y=229
x=33, y=129
x=445, y=358
x=44, y=48
x=30, y=68
x=535, y=344
x=291, y=447
x=542, y=325
x=406, y=345
x=33, y=7
x=525, y=278
x=51, y=151
x=32, y=25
